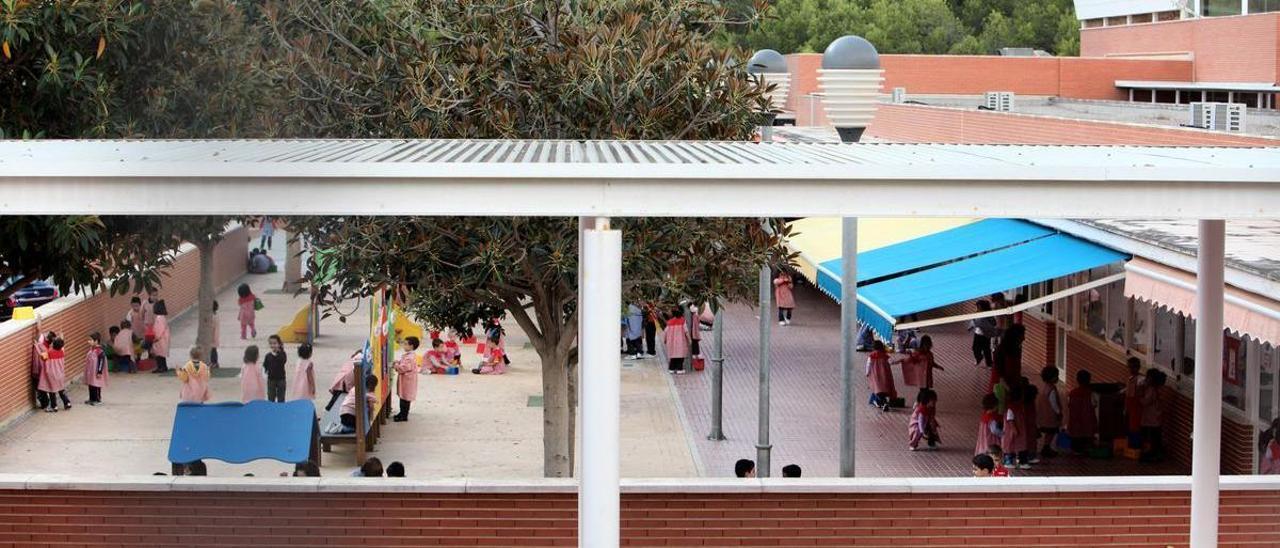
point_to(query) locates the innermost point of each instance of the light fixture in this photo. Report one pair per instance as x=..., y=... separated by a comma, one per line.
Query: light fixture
x=771, y=67
x=850, y=79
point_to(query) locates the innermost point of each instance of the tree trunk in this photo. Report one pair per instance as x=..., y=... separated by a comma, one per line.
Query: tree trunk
x=204, y=302
x=557, y=417
x=571, y=430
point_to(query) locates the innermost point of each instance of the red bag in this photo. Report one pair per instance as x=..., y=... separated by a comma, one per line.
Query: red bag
x=435, y=335
x=150, y=335
x=469, y=340
x=699, y=364
x=480, y=348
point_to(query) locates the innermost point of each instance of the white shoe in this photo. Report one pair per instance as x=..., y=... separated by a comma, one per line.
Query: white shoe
x=1024, y=466
x=782, y=323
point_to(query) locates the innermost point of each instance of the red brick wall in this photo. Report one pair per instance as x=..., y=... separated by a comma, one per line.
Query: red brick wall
x=1224, y=49
x=1073, y=77
x=97, y=313
x=30, y=518
x=926, y=124
x=1107, y=365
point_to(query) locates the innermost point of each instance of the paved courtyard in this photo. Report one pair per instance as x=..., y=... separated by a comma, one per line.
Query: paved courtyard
x=805, y=404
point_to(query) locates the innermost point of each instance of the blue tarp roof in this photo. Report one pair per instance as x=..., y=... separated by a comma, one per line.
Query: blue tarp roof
x=241, y=432
x=960, y=264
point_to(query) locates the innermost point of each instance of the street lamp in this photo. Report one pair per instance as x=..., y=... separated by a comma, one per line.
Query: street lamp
x=850, y=79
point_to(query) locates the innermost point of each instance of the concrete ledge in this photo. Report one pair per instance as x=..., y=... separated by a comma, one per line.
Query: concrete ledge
x=692, y=486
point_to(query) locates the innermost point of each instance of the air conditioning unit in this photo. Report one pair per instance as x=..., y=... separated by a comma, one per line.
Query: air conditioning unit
x=899, y=95
x=1001, y=101
x=1218, y=116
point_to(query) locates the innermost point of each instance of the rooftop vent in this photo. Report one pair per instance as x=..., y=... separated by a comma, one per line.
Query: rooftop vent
x=1000, y=101
x=899, y=95
x=1218, y=116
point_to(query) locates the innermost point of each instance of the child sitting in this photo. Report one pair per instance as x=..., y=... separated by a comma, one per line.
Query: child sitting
x=345, y=380
x=347, y=412
x=453, y=355
x=122, y=340
x=495, y=358
x=438, y=359
x=924, y=422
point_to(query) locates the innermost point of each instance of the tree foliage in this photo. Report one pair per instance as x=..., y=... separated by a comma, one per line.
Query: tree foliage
x=916, y=26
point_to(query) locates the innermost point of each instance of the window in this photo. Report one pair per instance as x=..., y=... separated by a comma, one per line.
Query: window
x=1235, y=353
x=1104, y=310
x=1140, y=330
x=1117, y=313
x=1167, y=345
x=1262, y=6
x=1269, y=359
x=1215, y=8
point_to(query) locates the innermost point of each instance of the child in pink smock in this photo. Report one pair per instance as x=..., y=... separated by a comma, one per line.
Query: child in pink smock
x=194, y=377
x=123, y=345
x=160, y=344
x=676, y=341
x=1082, y=414
x=39, y=354
x=783, y=297
x=252, y=384
x=247, y=315
x=345, y=380
x=453, y=355
x=53, y=380
x=1270, y=446
x=880, y=377
x=918, y=366
x=989, y=429
x=347, y=411
x=407, y=368
x=437, y=359
x=95, y=369
x=304, y=374
x=494, y=362
x=924, y=421
x=1013, y=440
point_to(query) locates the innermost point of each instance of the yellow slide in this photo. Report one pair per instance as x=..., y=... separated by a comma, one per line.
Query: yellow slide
x=404, y=327
x=296, y=331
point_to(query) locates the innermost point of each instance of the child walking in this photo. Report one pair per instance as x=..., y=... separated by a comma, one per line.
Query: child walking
x=304, y=375
x=918, y=366
x=53, y=380
x=247, y=315
x=274, y=364
x=881, y=377
x=123, y=343
x=924, y=422
x=217, y=333
x=251, y=384
x=1013, y=439
x=407, y=368
x=95, y=369
x=194, y=377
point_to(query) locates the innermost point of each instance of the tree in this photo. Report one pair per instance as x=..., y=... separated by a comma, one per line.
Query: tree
x=82, y=253
x=590, y=69
x=912, y=26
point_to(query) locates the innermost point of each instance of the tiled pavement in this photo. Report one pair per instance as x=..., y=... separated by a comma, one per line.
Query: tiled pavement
x=805, y=403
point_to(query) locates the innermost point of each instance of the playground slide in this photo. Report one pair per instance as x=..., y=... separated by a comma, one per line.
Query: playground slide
x=296, y=330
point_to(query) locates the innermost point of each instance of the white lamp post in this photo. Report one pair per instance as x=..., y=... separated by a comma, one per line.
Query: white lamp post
x=850, y=79
x=771, y=67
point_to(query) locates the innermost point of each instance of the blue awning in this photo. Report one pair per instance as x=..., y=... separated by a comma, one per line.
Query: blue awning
x=960, y=264
x=932, y=250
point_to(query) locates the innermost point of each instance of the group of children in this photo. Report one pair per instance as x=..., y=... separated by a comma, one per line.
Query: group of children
x=1023, y=422
x=918, y=365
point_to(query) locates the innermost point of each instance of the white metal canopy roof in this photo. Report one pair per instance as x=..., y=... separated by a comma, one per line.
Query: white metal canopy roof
x=1251, y=87
x=630, y=178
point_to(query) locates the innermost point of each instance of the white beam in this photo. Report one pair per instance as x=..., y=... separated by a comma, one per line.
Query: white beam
x=1075, y=193
x=599, y=500
x=1206, y=426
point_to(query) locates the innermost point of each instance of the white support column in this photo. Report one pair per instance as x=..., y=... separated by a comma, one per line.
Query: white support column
x=848, y=343
x=599, y=515
x=1206, y=426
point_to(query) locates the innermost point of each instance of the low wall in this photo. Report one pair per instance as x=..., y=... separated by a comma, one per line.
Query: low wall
x=75, y=317
x=165, y=511
x=928, y=124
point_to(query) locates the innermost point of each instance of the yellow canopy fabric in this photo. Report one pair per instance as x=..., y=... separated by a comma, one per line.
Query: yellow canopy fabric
x=817, y=239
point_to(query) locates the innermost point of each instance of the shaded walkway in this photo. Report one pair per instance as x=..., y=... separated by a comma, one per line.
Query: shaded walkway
x=805, y=386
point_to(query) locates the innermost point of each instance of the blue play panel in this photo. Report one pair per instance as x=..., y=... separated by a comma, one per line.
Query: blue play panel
x=241, y=432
